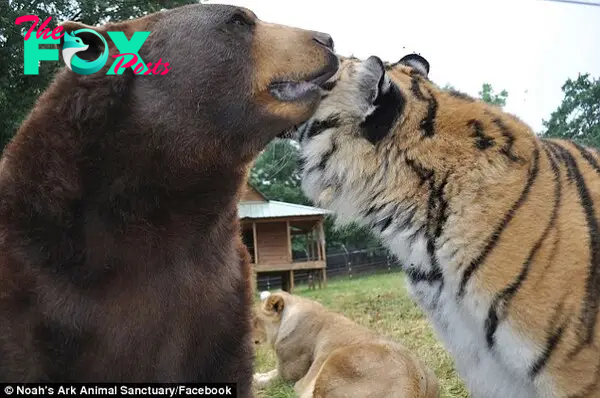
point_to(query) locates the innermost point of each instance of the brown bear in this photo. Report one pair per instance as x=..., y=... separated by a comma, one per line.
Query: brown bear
x=119, y=232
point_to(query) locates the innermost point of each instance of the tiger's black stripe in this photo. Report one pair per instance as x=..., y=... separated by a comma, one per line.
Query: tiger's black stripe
x=302, y=129
x=428, y=123
x=482, y=141
x=555, y=243
x=416, y=89
x=507, y=149
x=501, y=302
x=588, y=157
x=318, y=126
x=301, y=164
x=427, y=175
x=553, y=340
x=554, y=337
x=443, y=209
x=493, y=239
x=385, y=222
x=457, y=94
x=408, y=219
x=416, y=276
x=423, y=173
x=591, y=300
x=327, y=156
x=373, y=198
x=560, y=152
x=435, y=214
x=375, y=209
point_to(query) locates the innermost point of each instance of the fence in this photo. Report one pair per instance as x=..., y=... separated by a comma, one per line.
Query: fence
x=340, y=264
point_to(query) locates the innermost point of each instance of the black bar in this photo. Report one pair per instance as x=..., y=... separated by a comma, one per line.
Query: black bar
x=118, y=389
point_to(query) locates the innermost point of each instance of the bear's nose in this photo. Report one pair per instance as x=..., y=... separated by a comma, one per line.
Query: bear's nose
x=324, y=39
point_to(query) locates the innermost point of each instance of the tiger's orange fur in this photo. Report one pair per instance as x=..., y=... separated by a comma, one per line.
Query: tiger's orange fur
x=496, y=227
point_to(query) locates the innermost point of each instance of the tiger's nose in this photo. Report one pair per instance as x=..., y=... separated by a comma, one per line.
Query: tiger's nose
x=324, y=39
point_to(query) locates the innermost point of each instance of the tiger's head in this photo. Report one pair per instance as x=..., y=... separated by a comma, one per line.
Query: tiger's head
x=387, y=144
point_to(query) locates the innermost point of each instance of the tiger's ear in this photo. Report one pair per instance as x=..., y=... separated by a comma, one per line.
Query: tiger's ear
x=374, y=80
x=416, y=62
x=274, y=304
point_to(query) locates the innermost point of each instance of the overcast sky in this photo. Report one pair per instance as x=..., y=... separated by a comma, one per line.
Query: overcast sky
x=528, y=47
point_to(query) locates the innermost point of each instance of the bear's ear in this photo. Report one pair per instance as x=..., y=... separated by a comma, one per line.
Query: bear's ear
x=274, y=304
x=416, y=62
x=94, y=43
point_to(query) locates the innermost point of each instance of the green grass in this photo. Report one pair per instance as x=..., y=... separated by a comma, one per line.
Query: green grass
x=381, y=303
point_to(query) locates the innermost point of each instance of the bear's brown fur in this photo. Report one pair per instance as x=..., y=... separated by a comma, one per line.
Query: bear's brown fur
x=119, y=234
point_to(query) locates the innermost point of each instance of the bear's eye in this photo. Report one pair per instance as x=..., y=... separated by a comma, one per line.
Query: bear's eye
x=240, y=19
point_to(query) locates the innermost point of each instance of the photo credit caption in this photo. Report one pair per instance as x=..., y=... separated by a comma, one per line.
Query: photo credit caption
x=118, y=389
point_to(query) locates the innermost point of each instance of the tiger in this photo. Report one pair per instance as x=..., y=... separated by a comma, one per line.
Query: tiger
x=496, y=227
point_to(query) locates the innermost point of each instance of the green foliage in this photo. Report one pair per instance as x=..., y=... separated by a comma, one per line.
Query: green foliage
x=578, y=116
x=448, y=87
x=18, y=92
x=488, y=95
x=276, y=175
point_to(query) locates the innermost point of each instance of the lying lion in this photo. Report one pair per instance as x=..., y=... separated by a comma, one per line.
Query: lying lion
x=328, y=355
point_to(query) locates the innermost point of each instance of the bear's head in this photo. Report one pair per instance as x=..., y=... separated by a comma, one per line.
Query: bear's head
x=233, y=82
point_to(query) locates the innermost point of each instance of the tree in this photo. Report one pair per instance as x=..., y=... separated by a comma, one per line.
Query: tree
x=276, y=174
x=18, y=92
x=578, y=116
x=488, y=95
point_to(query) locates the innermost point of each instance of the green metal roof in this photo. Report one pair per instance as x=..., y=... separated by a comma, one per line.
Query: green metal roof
x=274, y=209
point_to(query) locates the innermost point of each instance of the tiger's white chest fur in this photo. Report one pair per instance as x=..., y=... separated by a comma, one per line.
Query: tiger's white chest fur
x=500, y=372
x=461, y=332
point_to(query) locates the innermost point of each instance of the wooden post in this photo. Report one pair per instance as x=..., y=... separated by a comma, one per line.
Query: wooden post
x=322, y=240
x=323, y=253
x=255, y=243
x=311, y=249
x=315, y=243
x=320, y=276
x=291, y=283
x=289, y=241
x=318, y=243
